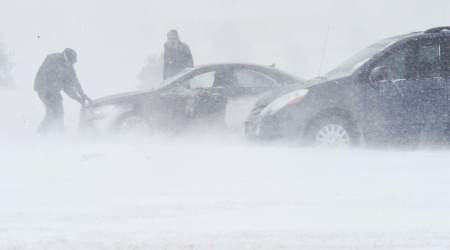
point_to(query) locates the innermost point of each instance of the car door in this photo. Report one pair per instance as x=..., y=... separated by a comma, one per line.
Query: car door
x=407, y=105
x=384, y=115
x=445, y=69
x=206, y=94
x=432, y=100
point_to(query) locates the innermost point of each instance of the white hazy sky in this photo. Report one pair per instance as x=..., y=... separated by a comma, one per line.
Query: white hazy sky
x=113, y=38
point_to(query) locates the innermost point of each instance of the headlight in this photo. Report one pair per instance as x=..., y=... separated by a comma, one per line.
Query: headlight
x=284, y=100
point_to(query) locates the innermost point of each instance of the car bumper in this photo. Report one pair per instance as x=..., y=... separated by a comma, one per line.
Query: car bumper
x=281, y=126
x=263, y=128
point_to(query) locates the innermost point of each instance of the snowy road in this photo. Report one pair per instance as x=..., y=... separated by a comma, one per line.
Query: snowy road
x=212, y=193
x=180, y=195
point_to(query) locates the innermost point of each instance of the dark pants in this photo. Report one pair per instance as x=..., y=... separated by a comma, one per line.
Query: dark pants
x=54, y=112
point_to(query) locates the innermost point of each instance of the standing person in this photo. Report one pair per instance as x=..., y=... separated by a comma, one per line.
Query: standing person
x=57, y=74
x=177, y=55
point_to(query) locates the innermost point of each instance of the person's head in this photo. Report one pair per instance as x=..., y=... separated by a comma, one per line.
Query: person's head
x=70, y=55
x=172, y=36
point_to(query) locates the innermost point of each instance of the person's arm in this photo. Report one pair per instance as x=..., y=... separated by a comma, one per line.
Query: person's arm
x=72, y=93
x=78, y=87
x=165, y=59
x=74, y=89
x=80, y=91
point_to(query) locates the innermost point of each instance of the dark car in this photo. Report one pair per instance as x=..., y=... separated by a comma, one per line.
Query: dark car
x=220, y=95
x=396, y=91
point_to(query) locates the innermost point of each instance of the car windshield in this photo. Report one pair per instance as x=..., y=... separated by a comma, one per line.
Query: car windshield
x=353, y=63
x=176, y=77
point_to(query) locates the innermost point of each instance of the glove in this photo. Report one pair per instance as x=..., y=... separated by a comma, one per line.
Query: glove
x=88, y=100
x=85, y=101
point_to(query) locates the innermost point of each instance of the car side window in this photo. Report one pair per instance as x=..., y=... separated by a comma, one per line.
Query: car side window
x=397, y=63
x=202, y=80
x=428, y=63
x=252, y=79
x=223, y=78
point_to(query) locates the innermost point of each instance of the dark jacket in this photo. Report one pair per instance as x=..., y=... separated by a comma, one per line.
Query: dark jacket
x=176, y=59
x=56, y=74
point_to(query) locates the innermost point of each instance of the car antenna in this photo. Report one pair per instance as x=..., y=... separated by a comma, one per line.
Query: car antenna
x=324, y=51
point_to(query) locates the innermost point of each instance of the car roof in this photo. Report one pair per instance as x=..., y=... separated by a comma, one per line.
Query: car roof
x=443, y=31
x=234, y=65
x=248, y=66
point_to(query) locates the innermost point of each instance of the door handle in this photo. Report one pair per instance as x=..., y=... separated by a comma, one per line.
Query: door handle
x=437, y=83
x=396, y=87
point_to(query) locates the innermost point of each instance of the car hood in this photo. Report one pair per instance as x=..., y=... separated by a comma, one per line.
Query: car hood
x=271, y=96
x=121, y=98
x=137, y=96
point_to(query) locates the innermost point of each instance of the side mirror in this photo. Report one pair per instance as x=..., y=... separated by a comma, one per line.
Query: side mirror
x=379, y=74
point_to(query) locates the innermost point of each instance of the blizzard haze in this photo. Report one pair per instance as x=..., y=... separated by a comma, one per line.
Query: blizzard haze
x=117, y=36
x=114, y=38
x=214, y=191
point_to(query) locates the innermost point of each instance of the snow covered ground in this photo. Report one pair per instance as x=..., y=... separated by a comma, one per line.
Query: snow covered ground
x=212, y=192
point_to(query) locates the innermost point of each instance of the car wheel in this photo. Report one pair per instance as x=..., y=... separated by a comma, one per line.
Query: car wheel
x=333, y=132
x=133, y=125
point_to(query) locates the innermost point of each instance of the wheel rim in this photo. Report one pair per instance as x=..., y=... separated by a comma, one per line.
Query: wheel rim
x=134, y=126
x=332, y=135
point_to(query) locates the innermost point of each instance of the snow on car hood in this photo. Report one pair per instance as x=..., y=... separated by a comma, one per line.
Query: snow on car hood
x=136, y=96
x=119, y=98
x=270, y=96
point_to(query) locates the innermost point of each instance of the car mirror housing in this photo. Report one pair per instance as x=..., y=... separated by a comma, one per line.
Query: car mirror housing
x=379, y=74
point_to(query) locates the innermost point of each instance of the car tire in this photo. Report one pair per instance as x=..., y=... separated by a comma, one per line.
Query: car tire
x=333, y=131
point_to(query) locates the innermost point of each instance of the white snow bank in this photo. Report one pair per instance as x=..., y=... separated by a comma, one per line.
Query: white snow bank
x=212, y=193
